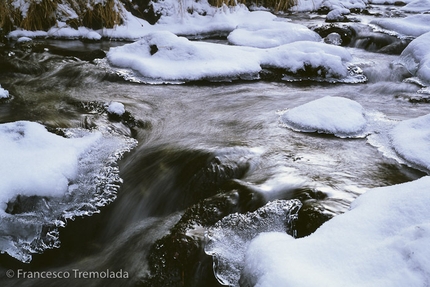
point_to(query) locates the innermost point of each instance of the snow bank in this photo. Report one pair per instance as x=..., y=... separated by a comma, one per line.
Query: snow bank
x=313, y=5
x=411, y=140
x=382, y=241
x=414, y=25
x=165, y=57
x=36, y=162
x=417, y=6
x=271, y=34
x=3, y=93
x=333, y=115
x=65, y=32
x=47, y=179
x=416, y=57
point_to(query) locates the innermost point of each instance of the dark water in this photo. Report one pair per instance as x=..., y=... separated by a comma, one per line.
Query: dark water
x=192, y=140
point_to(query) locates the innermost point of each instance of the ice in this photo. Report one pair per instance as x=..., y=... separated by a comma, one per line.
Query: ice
x=3, y=93
x=414, y=25
x=333, y=115
x=416, y=57
x=271, y=34
x=48, y=179
x=381, y=241
x=229, y=238
x=165, y=57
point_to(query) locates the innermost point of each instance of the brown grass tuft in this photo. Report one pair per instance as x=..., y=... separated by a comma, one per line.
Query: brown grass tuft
x=43, y=14
x=105, y=15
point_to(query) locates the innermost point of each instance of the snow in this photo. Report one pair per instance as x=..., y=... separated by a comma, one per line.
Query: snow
x=36, y=162
x=3, y=93
x=333, y=115
x=414, y=25
x=166, y=57
x=116, y=108
x=65, y=32
x=416, y=57
x=313, y=5
x=381, y=241
x=271, y=34
x=51, y=179
x=411, y=138
x=337, y=14
x=417, y=6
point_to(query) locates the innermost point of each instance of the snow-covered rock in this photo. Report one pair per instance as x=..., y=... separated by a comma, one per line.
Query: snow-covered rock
x=381, y=241
x=3, y=93
x=411, y=140
x=116, y=108
x=333, y=115
x=416, y=57
x=271, y=34
x=163, y=56
x=414, y=25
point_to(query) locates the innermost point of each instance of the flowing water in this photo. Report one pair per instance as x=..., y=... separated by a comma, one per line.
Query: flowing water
x=184, y=131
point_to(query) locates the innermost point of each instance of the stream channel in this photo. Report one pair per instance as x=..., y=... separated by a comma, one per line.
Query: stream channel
x=218, y=141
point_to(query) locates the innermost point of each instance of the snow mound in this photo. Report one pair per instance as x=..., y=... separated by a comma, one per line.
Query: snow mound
x=381, y=241
x=230, y=237
x=3, y=93
x=417, y=6
x=339, y=116
x=48, y=179
x=314, y=5
x=411, y=140
x=414, y=25
x=162, y=57
x=116, y=108
x=416, y=57
x=271, y=34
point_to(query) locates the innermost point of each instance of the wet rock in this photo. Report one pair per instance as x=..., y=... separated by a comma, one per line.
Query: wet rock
x=345, y=32
x=82, y=55
x=380, y=43
x=178, y=259
x=311, y=216
x=333, y=39
x=25, y=204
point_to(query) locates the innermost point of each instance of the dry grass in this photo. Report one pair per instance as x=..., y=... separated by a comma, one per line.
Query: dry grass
x=102, y=16
x=43, y=14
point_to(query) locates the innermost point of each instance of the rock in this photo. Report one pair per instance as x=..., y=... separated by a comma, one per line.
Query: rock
x=345, y=32
x=334, y=39
x=178, y=259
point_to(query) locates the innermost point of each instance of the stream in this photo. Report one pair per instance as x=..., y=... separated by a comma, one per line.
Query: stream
x=194, y=142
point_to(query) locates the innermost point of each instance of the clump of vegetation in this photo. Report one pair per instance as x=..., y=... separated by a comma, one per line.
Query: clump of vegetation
x=43, y=14
x=34, y=15
x=102, y=15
